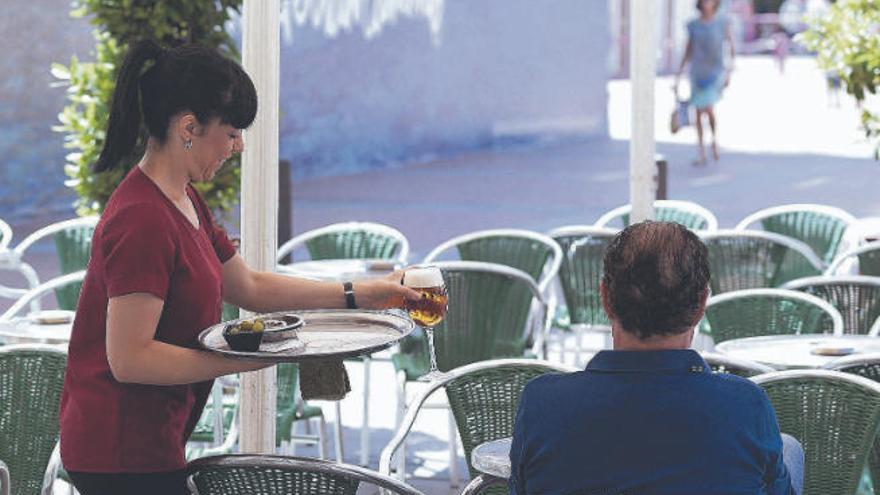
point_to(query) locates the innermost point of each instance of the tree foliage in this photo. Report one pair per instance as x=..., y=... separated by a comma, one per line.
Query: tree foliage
x=847, y=42
x=118, y=23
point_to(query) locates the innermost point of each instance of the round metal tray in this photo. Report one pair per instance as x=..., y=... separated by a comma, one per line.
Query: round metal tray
x=326, y=333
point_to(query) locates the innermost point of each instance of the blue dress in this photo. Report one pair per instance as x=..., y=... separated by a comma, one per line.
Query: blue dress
x=707, y=60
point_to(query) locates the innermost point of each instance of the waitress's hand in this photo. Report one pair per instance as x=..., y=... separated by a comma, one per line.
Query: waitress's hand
x=383, y=293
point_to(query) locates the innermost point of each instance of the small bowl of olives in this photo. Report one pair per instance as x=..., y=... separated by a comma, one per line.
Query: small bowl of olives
x=245, y=335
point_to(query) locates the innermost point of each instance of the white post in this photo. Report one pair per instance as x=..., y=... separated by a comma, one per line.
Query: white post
x=643, y=55
x=259, y=201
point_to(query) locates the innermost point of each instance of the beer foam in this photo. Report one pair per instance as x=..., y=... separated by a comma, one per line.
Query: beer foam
x=423, y=277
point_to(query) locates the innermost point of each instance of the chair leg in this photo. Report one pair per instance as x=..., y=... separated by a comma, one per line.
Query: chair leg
x=454, y=480
x=401, y=411
x=322, y=438
x=337, y=433
x=365, y=426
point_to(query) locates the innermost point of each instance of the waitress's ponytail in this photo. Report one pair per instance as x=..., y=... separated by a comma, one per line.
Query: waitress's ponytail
x=124, y=123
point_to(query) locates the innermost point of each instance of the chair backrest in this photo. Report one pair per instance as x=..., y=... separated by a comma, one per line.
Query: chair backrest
x=835, y=417
x=73, y=245
x=581, y=271
x=31, y=379
x=488, y=309
x=756, y=312
x=868, y=256
x=531, y=252
x=857, y=298
x=740, y=367
x=244, y=474
x=350, y=240
x=820, y=227
x=5, y=235
x=691, y=215
x=484, y=398
x=747, y=259
x=70, y=279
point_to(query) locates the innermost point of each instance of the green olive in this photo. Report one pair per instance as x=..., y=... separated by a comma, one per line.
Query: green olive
x=258, y=326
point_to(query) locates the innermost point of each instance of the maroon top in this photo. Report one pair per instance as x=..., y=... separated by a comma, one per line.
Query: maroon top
x=142, y=243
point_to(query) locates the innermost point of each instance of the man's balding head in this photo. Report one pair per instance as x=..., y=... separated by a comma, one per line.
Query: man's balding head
x=656, y=279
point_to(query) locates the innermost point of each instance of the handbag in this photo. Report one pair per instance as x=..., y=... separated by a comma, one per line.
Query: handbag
x=680, y=115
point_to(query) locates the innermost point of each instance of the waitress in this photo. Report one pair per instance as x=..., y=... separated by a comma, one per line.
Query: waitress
x=159, y=272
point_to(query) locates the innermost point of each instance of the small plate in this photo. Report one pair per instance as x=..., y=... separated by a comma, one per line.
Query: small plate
x=51, y=317
x=281, y=327
x=831, y=349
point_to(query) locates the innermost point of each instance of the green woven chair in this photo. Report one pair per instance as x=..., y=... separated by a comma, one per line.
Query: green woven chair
x=280, y=475
x=488, y=311
x=533, y=253
x=742, y=259
x=856, y=297
x=73, y=245
x=757, y=312
x=350, y=240
x=580, y=275
x=740, y=367
x=290, y=408
x=818, y=226
x=835, y=416
x=484, y=398
x=868, y=257
x=691, y=215
x=31, y=379
x=868, y=366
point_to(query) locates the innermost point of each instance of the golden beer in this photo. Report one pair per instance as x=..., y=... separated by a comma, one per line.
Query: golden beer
x=431, y=308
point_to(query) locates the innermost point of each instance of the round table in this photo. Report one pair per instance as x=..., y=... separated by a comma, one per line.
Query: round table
x=493, y=458
x=341, y=269
x=796, y=351
x=23, y=330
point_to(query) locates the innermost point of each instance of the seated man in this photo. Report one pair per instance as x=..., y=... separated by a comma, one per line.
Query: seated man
x=650, y=417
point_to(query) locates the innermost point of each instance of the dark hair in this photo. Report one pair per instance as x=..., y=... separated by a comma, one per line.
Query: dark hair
x=701, y=2
x=656, y=275
x=187, y=78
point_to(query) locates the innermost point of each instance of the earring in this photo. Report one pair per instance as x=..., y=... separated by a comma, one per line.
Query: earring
x=188, y=144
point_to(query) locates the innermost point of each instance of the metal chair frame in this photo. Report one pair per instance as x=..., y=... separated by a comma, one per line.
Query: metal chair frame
x=476, y=266
x=4, y=479
x=481, y=483
x=843, y=257
x=685, y=206
x=371, y=227
x=302, y=464
x=830, y=211
x=42, y=290
x=836, y=318
x=835, y=376
x=720, y=360
x=798, y=284
x=13, y=259
x=852, y=361
x=5, y=235
x=416, y=404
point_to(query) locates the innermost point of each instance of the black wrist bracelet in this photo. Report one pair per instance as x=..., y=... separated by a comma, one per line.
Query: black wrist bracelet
x=348, y=290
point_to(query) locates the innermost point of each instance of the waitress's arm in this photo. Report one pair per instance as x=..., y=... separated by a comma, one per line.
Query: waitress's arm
x=262, y=292
x=136, y=357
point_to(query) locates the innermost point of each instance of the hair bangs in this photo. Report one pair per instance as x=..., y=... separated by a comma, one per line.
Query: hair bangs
x=240, y=106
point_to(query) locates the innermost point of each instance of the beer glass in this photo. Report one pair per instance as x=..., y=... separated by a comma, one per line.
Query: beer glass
x=429, y=310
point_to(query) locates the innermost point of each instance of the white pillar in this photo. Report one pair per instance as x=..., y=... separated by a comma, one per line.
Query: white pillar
x=643, y=55
x=259, y=201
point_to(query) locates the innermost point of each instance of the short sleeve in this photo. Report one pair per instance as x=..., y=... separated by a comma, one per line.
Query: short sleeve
x=139, y=250
x=219, y=238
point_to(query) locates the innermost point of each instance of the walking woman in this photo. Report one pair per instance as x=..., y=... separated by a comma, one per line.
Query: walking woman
x=708, y=73
x=159, y=272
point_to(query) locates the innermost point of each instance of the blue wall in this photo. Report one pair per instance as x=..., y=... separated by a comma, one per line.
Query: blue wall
x=497, y=73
